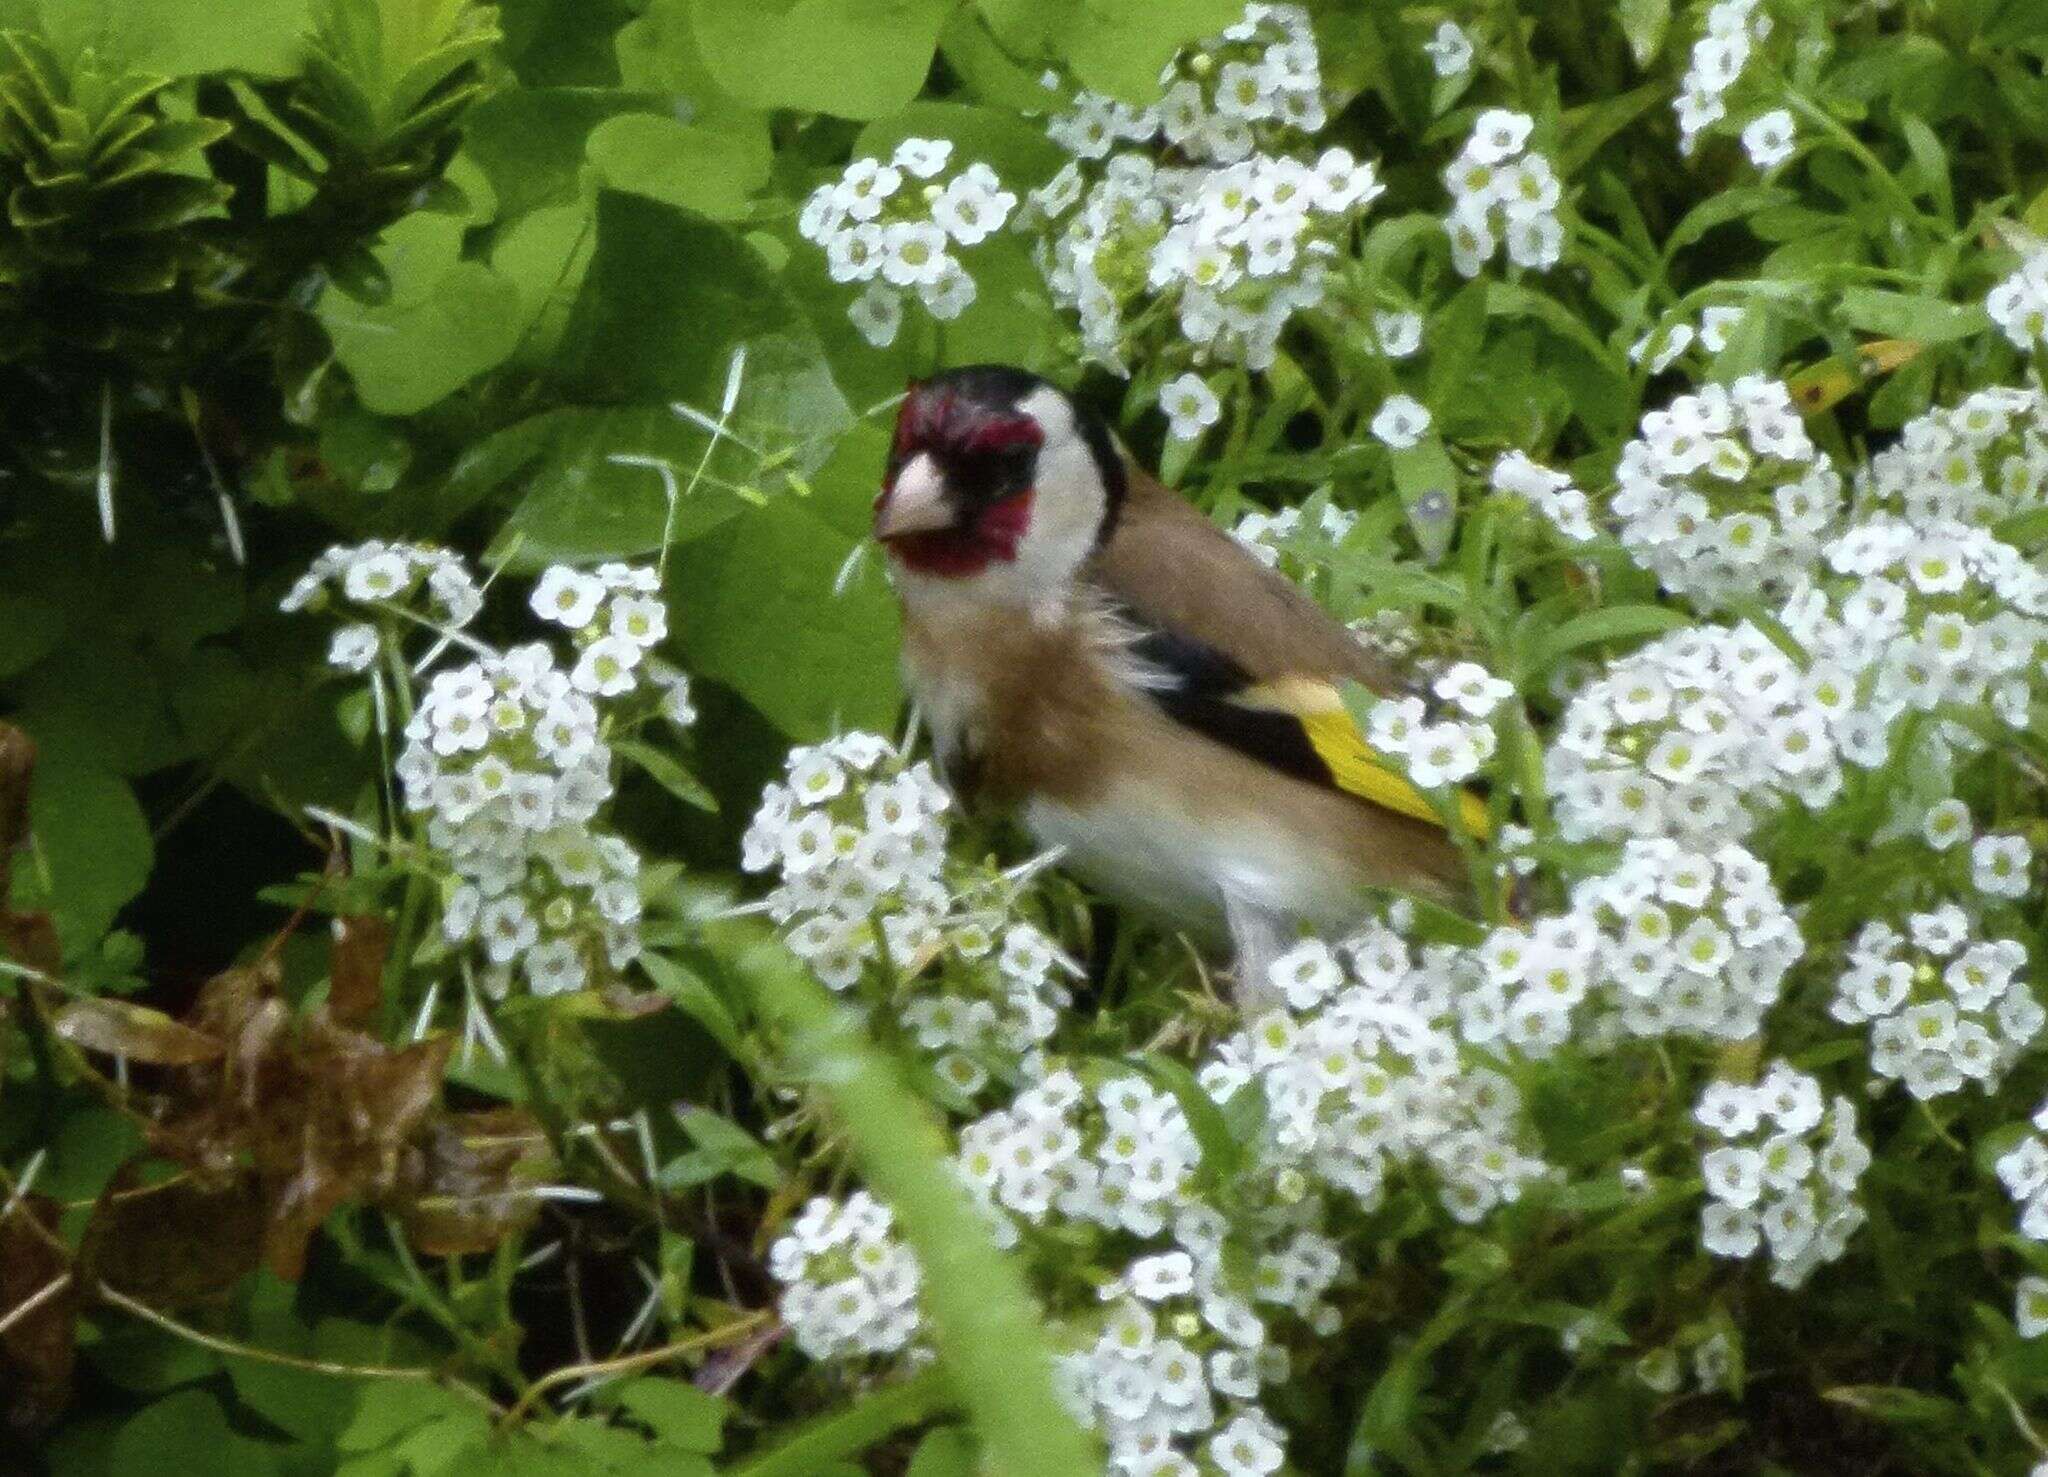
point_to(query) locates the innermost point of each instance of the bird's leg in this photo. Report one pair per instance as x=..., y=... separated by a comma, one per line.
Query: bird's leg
x=1258, y=936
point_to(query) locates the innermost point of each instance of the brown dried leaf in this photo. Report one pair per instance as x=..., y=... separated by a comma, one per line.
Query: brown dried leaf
x=356, y=968
x=122, y=1028
x=172, y=1244
x=467, y=1180
x=38, y=1348
x=338, y=1113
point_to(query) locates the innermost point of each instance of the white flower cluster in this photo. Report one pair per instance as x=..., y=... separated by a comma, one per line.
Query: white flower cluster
x=1503, y=193
x=1945, y=1009
x=1672, y=942
x=849, y=1286
x=1551, y=493
x=1977, y=462
x=894, y=226
x=858, y=838
x=1939, y=612
x=1254, y=86
x=1699, y=733
x=2019, y=304
x=1362, y=1075
x=2023, y=1170
x=1118, y=1158
x=1785, y=1175
x=1443, y=751
x=1227, y=250
x=431, y=586
x=1232, y=252
x=1733, y=30
x=1723, y=494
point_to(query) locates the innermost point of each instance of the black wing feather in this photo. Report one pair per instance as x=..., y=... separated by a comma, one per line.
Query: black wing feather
x=1201, y=694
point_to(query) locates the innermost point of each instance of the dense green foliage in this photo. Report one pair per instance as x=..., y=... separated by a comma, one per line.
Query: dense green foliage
x=535, y=283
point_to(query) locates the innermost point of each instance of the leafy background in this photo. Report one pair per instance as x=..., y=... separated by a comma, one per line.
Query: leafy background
x=283, y=273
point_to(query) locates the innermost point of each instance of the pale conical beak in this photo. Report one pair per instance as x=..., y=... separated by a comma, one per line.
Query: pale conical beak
x=917, y=503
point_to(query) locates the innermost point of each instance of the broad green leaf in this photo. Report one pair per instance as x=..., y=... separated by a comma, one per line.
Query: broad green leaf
x=29, y=627
x=189, y=1432
x=90, y=839
x=1015, y=148
x=709, y=170
x=756, y=608
x=1118, y=46
x=445, y=321
x=645, y=332
x=950, y=1451
x=181, y=38
x=850, y=58
x=677, y=1412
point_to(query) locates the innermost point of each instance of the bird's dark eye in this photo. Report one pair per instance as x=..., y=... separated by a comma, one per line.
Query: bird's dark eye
x=992, y=473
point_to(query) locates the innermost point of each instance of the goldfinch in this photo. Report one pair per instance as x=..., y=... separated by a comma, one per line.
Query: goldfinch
x=1090, y=652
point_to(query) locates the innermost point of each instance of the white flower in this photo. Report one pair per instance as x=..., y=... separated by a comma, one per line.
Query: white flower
x=1946, y=824
x=1450, y=50
x=353, y=648
x=1998, y=865
x=973, y=206
x=2030, y=1307
x=913, y=252
x=1190, y=406
x=641, y=621
x=922, y=157
x=1401, y=421
x=607, y=667
x=1474, y=689
x=878, y=314
x=1769, y=139
x=1499, y=134
x=566, y=596
x=1399, y=334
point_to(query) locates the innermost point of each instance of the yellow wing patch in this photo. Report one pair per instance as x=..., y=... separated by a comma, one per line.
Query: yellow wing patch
x=1353, y=764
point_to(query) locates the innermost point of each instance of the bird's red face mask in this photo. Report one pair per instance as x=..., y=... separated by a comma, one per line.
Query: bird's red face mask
x=958, y=492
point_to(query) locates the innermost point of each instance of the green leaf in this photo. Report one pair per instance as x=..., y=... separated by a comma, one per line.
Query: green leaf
x=1904, y=315
x=1643, y=23
x=29, y=627
x=1615, y=623
x=445, y=322
x=1119, y=46
x=189, y=1432
x=677, y=1412
x=723, y=1147
x=1015, y=148
x=645, y=332
x=179, y=38
x=581, y=505
x=1427, y=483
x=90, y=839
x=756, y=608
x=850, y=58
x=694, y=998
x=950, y=1451
x=712, y=171
x=667, y=773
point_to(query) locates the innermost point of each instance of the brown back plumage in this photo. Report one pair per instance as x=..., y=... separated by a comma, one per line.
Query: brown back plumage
x=1180, y=572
